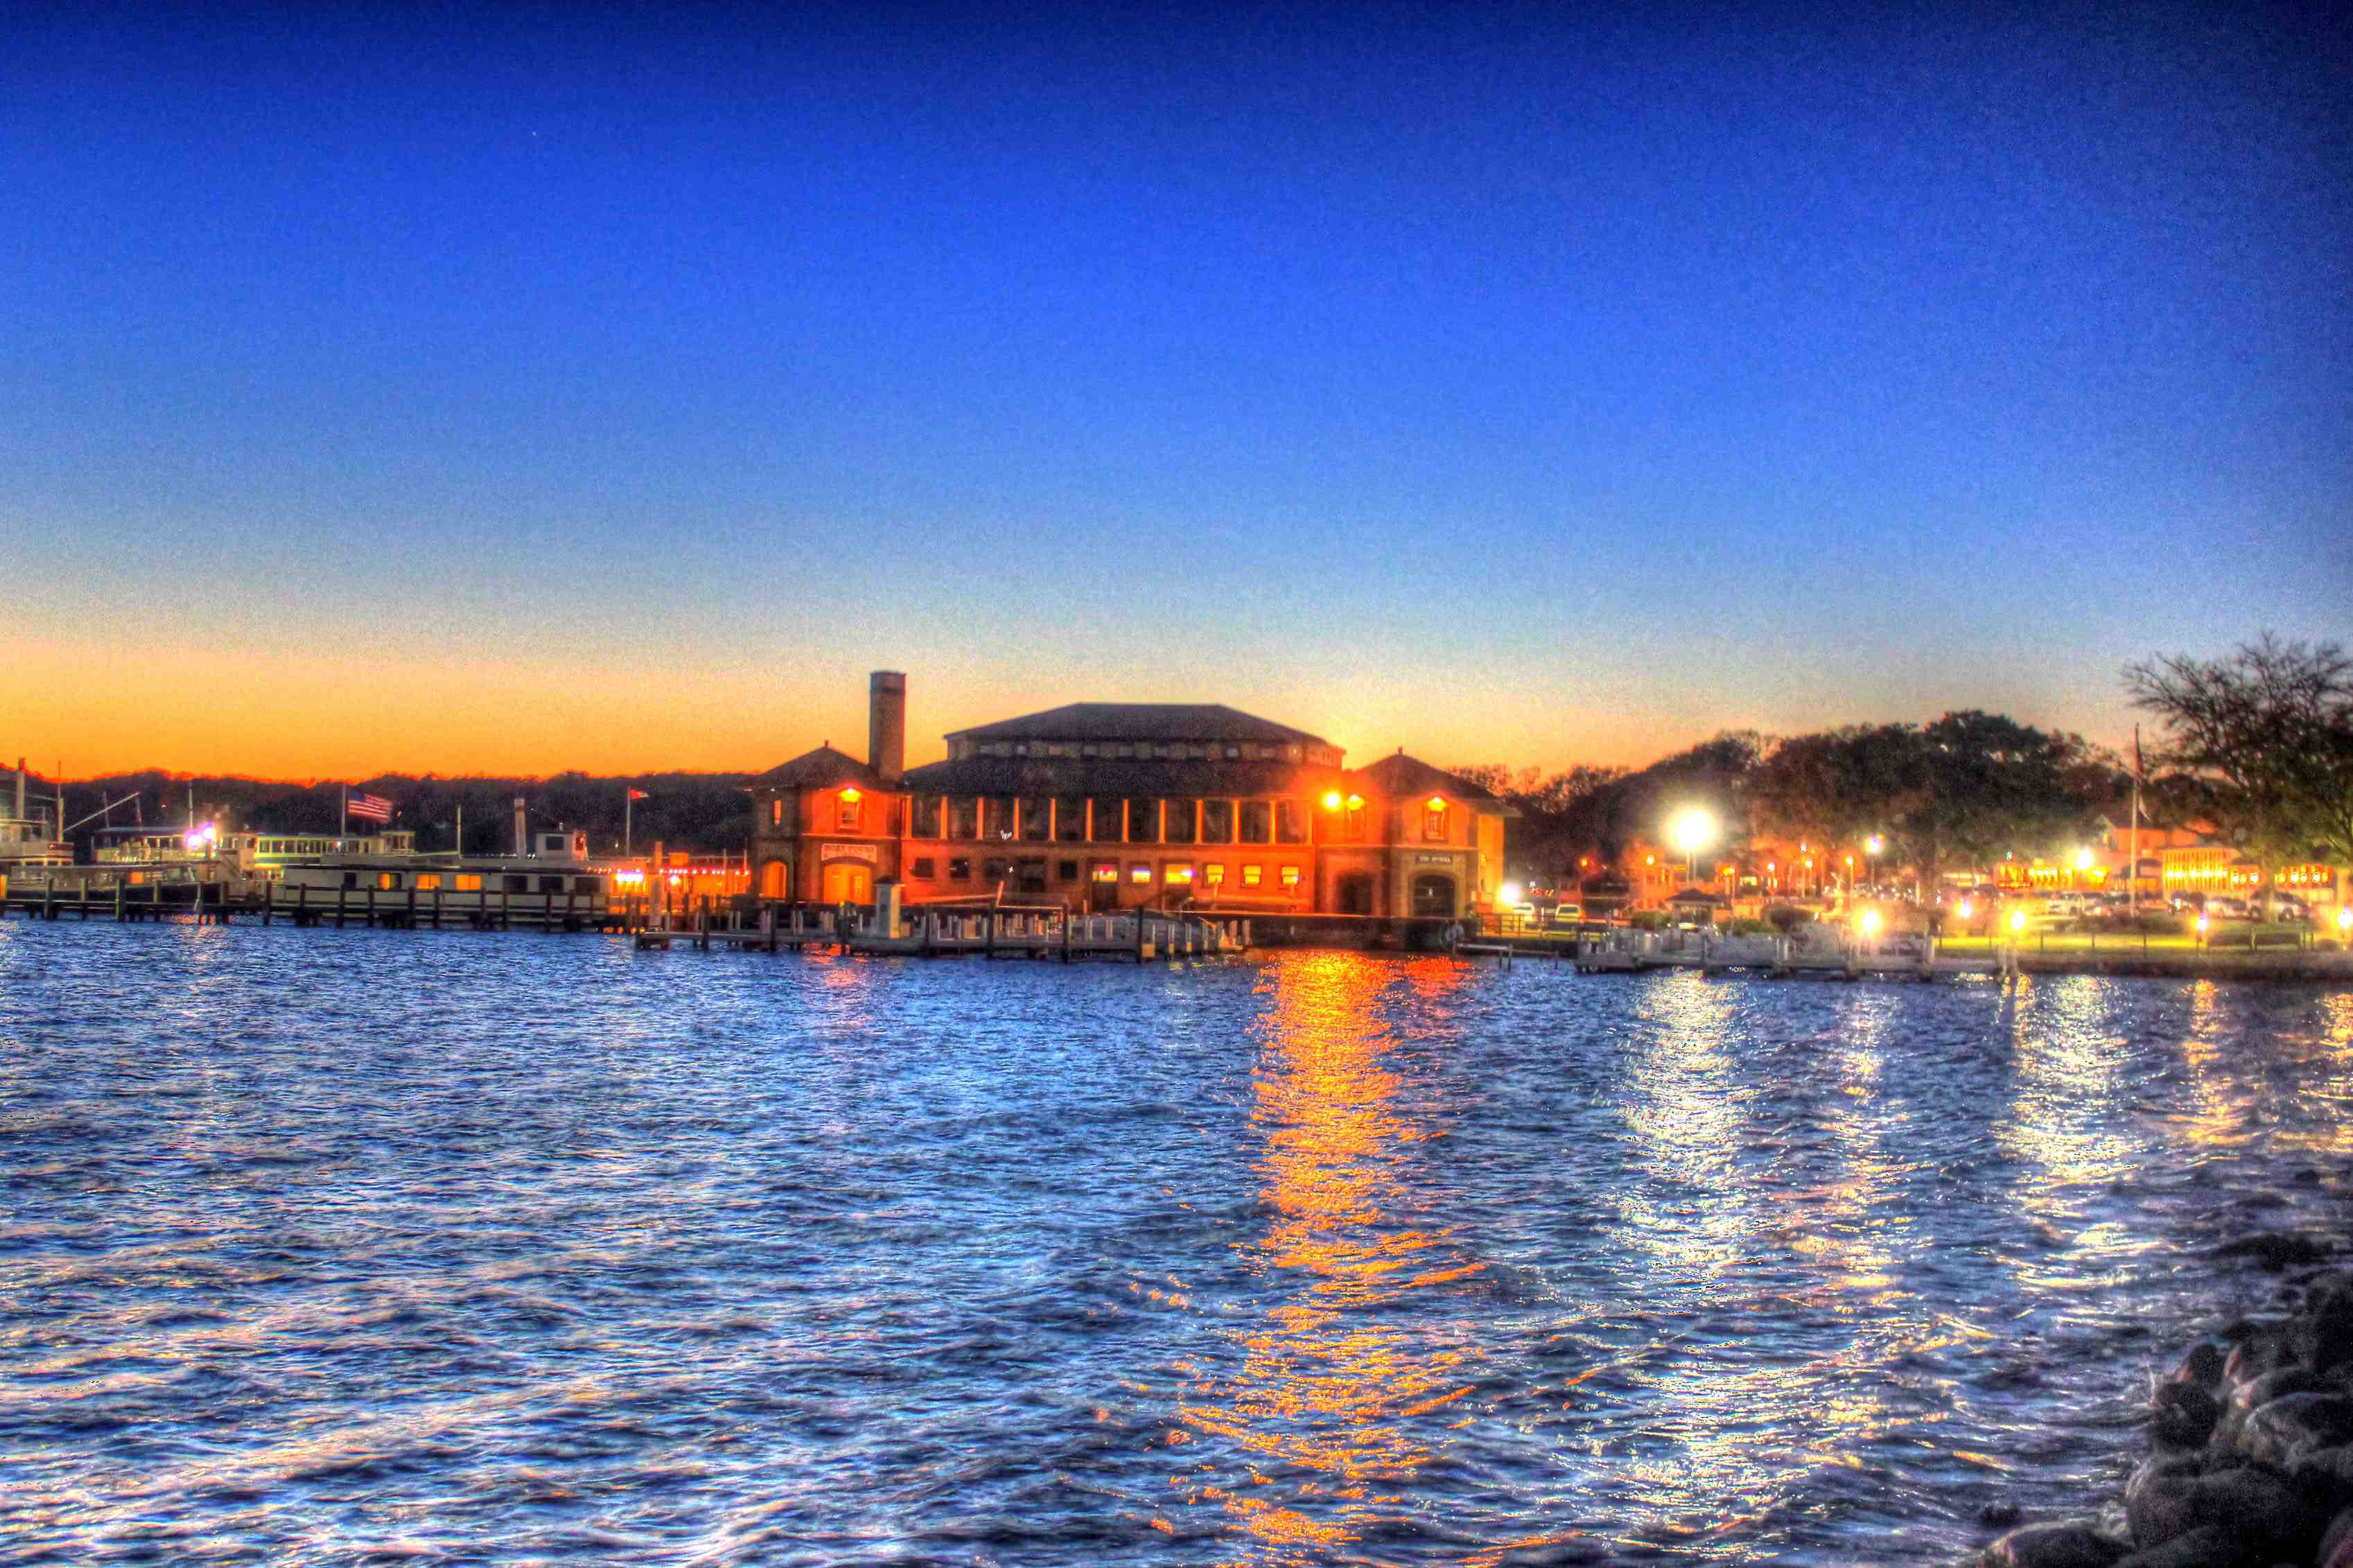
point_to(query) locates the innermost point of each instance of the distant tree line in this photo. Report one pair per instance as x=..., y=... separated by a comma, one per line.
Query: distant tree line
x=1962, y=790
x=2256, y=747
x=702, y=813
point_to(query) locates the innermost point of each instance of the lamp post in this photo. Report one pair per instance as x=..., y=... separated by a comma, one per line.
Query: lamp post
x=1692, y=830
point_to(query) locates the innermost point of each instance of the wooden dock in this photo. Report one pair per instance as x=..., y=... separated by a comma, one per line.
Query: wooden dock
x=1819, y=952
x=1044, y=933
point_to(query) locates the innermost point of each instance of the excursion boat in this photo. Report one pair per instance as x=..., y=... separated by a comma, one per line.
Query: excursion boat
x=549, y=880
x=28, y=845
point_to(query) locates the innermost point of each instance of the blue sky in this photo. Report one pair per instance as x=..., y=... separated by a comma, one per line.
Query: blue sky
x=447, y=389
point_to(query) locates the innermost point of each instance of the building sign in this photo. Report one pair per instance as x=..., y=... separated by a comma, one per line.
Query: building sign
x=845, y=852
x=1433, y=860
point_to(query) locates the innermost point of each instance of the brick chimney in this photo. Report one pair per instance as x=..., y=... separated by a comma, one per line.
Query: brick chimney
x=886, y=724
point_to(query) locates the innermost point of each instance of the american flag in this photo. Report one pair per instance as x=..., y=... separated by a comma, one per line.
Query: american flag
x=370, y=808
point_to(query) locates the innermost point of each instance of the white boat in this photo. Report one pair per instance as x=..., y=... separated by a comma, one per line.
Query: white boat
x=29, y=846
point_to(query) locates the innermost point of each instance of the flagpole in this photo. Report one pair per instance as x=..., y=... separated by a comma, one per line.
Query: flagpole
x=2136, y=821
x=344, y=811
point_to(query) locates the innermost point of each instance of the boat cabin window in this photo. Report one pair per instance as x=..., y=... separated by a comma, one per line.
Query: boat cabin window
x=469, y=883
x=387, y=880
x=514, y=884
x=550, y=884
x=428, y=882
x=584, y=884
x=351, y=879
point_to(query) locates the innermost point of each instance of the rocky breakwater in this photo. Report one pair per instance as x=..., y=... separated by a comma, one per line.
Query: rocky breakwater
x=2250, y=1442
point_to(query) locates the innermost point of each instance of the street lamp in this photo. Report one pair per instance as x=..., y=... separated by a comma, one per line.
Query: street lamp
x=1692, y=830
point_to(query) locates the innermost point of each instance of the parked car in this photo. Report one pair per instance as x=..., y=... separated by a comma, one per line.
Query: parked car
x=2289, y=906
x=1565, y=917
x=2226, y=909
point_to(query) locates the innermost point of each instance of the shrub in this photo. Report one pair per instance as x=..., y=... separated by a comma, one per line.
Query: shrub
x=1648, y=919
x=1787, y=917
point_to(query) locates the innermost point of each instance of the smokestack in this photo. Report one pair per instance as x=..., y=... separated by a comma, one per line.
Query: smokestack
x=886, y=724
x=523, y=833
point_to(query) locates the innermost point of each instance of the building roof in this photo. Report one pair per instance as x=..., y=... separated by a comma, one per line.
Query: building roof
x=1399, y=774
x=1106, y=776
x=1140, y=721
x=821, y=769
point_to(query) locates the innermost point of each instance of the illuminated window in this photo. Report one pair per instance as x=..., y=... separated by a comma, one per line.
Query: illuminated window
x=1351, y=822
x=387, y=879
x=1139, y=873
x=925, y=817
x=1214, y=873
x=776, y=812
x=923, y=867
x=850, y=814
x=1180, y=871
x=1290, y=876
x=1106, y=871
x=467, y=883
x=1251, y=875
x=428, y=882
x=1433, y=821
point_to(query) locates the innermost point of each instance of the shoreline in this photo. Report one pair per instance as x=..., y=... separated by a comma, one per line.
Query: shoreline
x=2249, y=1458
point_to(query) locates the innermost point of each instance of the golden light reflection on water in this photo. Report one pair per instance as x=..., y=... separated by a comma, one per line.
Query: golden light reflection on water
x=2065, y=1124
x=1335, y=1403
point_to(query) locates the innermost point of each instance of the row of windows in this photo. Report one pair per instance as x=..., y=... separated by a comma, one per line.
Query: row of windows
x=1112, y=820
x=469, y=882
x=1070, y=819
x=1141, y=873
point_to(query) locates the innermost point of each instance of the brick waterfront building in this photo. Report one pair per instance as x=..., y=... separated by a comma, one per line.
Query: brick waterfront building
x=1103, y=805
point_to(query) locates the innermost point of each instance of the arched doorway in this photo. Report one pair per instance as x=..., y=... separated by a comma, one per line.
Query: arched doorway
x=848, y=882
x=1353, y=894
x=1433, y=894
x=776, y=879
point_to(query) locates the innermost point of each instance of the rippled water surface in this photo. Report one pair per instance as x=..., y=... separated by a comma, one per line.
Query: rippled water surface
x=325, y=1246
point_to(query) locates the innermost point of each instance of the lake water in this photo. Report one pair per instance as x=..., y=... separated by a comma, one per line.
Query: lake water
x=352, y=1247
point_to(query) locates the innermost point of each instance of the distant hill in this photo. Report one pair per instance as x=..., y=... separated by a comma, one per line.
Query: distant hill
x=703, y=813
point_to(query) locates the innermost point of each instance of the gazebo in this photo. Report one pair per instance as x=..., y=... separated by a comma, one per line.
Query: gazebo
x=1696, y=905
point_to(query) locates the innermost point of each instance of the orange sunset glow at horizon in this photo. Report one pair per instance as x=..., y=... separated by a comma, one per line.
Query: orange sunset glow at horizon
x=99, y=710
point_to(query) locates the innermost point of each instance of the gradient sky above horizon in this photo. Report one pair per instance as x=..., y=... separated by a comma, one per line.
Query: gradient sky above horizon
x=512, y=392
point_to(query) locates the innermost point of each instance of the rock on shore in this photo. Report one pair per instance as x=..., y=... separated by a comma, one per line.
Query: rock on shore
x=2250, y=1443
